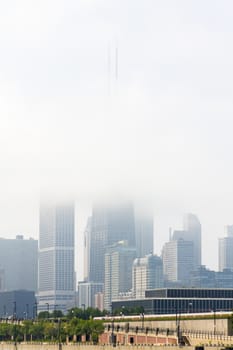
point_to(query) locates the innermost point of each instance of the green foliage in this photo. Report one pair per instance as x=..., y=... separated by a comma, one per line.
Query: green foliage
x=85, y=314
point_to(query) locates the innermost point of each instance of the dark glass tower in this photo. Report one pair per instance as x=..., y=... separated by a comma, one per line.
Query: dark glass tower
x=110, y=224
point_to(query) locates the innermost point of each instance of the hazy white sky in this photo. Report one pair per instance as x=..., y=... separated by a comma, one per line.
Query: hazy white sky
x=165, y=133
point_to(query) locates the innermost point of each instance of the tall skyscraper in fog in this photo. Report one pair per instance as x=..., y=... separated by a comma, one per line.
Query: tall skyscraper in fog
x=56, y=257
x=191, y=232
x=144, y=234
x=87, y=244
x=225, y=249
x=118, y=271
x=192, y=227
x=109, y=224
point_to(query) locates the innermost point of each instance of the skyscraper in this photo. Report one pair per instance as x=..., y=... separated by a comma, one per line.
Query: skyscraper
x=147, y=274
x=178, y=260
x=144, y=234
x=192, y=226
x=225, y=249
x=87, y=244
x=56, y=257
x=87, y=292
x=109, y=224
x=18, y=264
x=118, y=271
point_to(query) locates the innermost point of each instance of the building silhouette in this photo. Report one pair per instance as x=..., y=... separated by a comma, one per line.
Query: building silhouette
x=118, y=272
x=144, y=234
x=177, y=258
x=192, y=227
x=110, y=223
x=18, y=264
x=147, y=274
x=56, y=257
x=225, y=249
x=87, y=292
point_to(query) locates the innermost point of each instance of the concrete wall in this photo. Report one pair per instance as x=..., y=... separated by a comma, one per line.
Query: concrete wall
x=221, y=326
x=7, y=346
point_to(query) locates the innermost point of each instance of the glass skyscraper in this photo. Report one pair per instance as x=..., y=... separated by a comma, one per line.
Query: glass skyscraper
x=56, y=257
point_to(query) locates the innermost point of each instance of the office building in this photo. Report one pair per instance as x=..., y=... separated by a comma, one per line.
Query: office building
x=147, y=274
x=144, y=234
x=225, y=249
x=177, y=258
x=87, y=292
x=178, y=301
x=56, y=257
x=118, y=272
x=192, y=227
x=109, y=224
x=19, y=304
x=87, y=245
x=18, y=264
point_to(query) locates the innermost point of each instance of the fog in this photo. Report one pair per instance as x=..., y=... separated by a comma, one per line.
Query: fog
x=159, y=134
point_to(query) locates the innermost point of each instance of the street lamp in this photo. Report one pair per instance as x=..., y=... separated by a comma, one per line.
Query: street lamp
x=14, y=311
x=190, y=306
x=35, y=310
x=142, y=318
x=84, y=310
x=214, y=311
x=47, y=308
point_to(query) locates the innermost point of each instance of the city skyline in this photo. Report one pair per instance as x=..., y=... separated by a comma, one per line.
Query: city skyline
x=152, y=123
x=79, y=240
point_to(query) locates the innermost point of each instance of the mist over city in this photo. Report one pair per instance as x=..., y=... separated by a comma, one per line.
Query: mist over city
x=116, y=122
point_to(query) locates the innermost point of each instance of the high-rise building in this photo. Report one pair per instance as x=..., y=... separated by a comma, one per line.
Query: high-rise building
x=147, y=274
x=87, y=292
x=87, y=245
x=144, y=234
x=118, y=271
x=56, y=257
x=178, y=260
x=225, y=256
x=109, y=224
x=192, y=227
x=18, y=264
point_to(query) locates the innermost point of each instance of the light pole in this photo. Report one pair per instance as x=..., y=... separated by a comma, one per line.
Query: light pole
x=14, y=312
x=84, y=311
x=142, y=318
x=35, y=310
x=214, y=311
x=47, y=309
x=189, y=306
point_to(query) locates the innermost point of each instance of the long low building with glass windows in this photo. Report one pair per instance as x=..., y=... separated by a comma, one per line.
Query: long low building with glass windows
x=180, y=300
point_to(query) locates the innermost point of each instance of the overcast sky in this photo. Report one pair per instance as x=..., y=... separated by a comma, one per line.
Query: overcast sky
x=161, y=134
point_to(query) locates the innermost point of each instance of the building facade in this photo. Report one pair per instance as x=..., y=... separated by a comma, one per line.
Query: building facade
x=56, y=257
x=180, y=301
x=19, y=304
x=225, y=249
x=18, y=264
x=178, y=263
x=109, y=224
x=118, y=272
x=144, y=234
x=192, y=227
x=87, y=292
x=147, y=274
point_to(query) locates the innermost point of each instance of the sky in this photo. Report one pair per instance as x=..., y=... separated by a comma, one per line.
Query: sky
x=160, y=134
